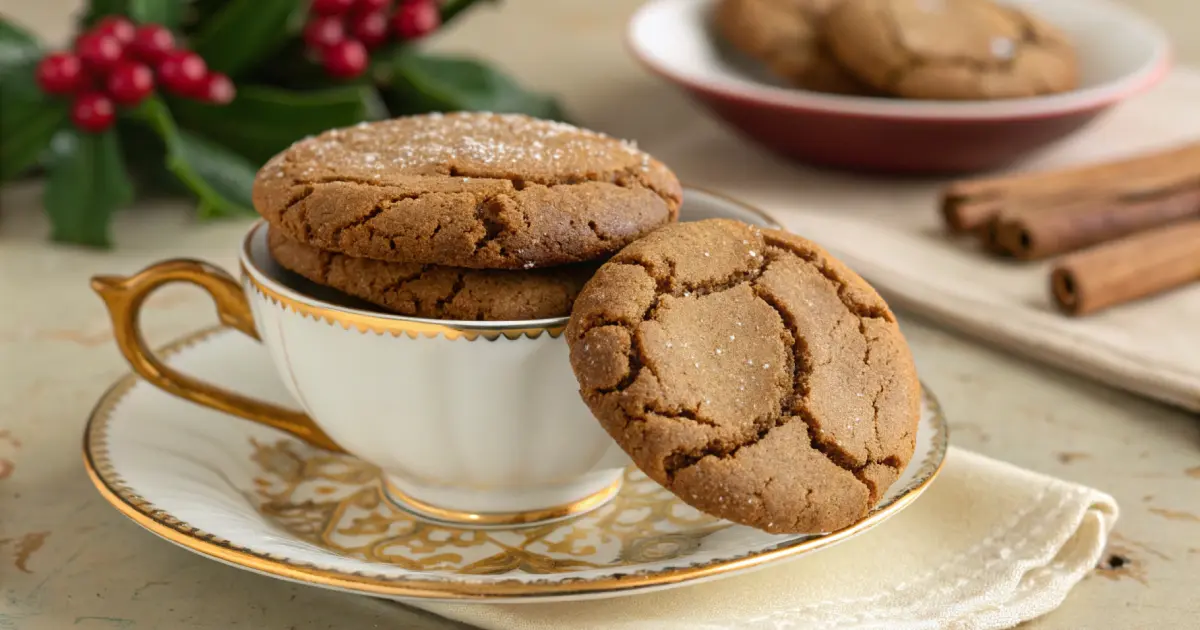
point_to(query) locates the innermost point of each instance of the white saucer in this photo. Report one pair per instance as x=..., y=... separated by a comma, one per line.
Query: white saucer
x=255, y=498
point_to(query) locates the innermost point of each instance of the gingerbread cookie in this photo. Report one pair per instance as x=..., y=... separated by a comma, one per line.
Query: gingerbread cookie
x=750, y=373
x=785, y=35
x=950, y=49
x=434, y=291
x=476, y=190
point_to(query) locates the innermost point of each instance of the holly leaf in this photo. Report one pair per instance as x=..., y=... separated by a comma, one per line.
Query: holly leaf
x=28, y=120
x=165, y=12
x=98, y=9
x=245, y=31
x=87, y=183
x=263, y=121
x=426, y=83
x=18, y=48
x=451, y=9
x=220, y=179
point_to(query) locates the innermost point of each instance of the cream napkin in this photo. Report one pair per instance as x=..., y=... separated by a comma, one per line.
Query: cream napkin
x=987, y=546
x=890, y=232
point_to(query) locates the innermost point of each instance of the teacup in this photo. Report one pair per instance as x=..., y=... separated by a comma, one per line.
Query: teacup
x=470, y=422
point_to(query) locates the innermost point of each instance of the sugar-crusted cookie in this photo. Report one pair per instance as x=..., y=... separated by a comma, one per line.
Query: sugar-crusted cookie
x=750, y=373
x=476, y=190
x=786, y=36
x=950, y=49
x=435, y=291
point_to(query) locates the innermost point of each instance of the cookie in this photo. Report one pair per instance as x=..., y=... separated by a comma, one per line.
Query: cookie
x=786, y=36
x=748, y=372
x=950, y=49
x=477, y=190
x=433, y=291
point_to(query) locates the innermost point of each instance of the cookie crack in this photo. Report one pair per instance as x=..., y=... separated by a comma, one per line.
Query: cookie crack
x=629, y=177
x=399, y=284
x=802, y=367
x=683, y=458
x=455, y=289
x=294, y=202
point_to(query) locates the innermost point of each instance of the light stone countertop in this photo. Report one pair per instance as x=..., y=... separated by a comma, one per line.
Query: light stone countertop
x=69, y=560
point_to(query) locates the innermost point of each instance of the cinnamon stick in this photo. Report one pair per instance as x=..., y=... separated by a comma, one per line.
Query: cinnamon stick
x=1134, y=267
x=968, y=205
x=1043, y=232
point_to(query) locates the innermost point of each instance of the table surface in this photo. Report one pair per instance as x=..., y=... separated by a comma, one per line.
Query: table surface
x=67, y=559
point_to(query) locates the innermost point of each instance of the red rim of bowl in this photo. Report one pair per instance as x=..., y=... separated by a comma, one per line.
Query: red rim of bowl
x=1138, y=81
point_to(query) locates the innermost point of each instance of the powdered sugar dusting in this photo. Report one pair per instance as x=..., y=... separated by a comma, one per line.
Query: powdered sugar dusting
x=475, y=144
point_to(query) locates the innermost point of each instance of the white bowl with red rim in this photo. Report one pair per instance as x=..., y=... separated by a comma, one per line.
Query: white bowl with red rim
x=1121, y=54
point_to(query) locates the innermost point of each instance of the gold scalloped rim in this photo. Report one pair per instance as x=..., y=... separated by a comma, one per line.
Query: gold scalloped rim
x=116, y=491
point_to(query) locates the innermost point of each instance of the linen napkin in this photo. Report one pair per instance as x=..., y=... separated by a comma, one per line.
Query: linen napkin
x=890, y=231
x=988, y=545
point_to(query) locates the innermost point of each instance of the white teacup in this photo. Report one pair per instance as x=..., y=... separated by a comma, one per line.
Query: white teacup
x=470, y=422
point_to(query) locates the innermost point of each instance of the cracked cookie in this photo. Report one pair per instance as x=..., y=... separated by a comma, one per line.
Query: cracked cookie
x=748, y=372
x=951, y=49
x=434, y=291
x=786, y=36
x=476, y=190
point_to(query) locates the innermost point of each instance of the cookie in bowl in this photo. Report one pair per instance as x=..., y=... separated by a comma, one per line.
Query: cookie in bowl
x=750, y=373
x=951, y=49
x=787, y=37
x=471, y=190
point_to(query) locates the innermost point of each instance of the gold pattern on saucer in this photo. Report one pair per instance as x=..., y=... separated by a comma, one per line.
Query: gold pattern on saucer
x=339, y=503
x=494, y=519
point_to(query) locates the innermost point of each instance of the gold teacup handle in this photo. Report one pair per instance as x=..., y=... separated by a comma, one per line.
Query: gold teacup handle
x=124, y=297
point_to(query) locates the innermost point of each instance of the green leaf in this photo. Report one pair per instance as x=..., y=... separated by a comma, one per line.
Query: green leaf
x=97, y=9
x=220, y=178
x=425, y=83
x=245, y=31
x=87, y=183
x=453, y=8
x=263, y=121
x=165, y=12
x=18, y=48
x=28, y=120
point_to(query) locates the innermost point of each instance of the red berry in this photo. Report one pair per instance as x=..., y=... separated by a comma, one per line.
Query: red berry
x=369, y=28
x=371, y=6
x=130, y=82
x=217, y=89
x=152, y=42
x=331, y=7
x=93, y=112
x=118, y=27
x=323, y=32
x=59, y=73
x=416, y=18
x=99, y=51
x=183, y=72
x=345, y=59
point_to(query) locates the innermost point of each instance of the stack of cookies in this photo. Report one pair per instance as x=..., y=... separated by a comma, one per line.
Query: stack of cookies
x=465, y=216
x=745, y=370
x=917, y=49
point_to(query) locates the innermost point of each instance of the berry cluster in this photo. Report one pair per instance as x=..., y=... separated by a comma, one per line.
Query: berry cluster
x=341, y=33
x=116, y=63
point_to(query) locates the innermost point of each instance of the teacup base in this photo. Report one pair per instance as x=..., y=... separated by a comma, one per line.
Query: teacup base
x=529, y=507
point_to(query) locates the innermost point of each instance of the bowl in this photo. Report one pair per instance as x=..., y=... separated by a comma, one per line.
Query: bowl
x=1121, y=54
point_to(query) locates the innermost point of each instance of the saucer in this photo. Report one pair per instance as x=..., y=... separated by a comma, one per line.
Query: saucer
x=253, y=497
